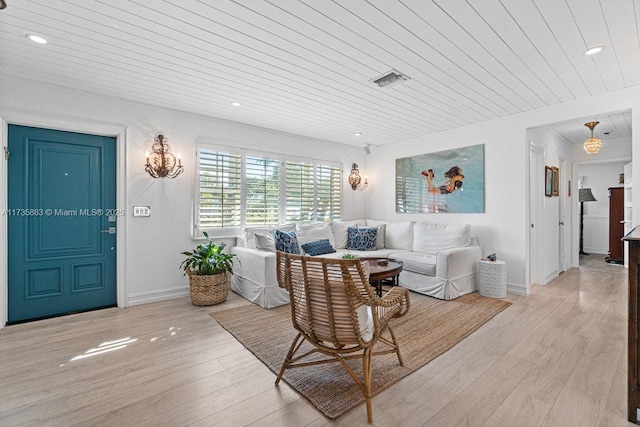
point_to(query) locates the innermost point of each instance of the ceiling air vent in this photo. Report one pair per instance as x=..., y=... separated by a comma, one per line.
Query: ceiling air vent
x=390, y=78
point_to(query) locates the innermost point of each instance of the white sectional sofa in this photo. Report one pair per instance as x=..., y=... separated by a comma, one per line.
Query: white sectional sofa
x=440, y=260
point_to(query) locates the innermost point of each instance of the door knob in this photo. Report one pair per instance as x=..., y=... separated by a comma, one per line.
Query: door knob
x=111, y=230
x=561, y=222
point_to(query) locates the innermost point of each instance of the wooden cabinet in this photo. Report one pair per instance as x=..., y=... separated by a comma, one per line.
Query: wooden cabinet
x=616, y=225
x=633, y=360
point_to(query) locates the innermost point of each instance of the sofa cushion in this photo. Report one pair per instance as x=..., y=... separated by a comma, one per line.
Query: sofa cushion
x=362, y=239
x=287, y=241
x=314, y=231
x=423, y=263
x=429, y=237
x=339, y=230
x=320, y=247
x=399, y=235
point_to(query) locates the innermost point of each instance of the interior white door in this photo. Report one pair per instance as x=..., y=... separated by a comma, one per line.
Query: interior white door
x=562, y=238
x=536, y=194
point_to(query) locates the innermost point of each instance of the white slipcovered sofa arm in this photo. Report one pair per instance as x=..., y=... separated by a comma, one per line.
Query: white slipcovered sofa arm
x=458, y=262
x=254, y=277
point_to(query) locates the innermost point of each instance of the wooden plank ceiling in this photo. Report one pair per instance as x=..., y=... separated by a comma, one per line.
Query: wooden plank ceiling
x=304, y=66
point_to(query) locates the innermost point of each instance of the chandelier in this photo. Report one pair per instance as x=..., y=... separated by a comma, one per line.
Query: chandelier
x=161, y=163
x=593, y=144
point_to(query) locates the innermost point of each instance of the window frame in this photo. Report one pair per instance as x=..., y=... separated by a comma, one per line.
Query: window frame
x=244, y=152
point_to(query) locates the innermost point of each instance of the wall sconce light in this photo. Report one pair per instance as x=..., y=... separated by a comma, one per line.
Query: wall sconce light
x=161, y=163
x=355, y=179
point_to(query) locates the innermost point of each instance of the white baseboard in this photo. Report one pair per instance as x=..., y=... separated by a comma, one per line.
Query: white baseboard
x=517, y=289
x=162, y=295
x=597, y=251
x=549, y=277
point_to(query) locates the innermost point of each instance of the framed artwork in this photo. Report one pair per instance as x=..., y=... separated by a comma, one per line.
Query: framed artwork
x=548, y=181
x=555, y=181
x=450, y=181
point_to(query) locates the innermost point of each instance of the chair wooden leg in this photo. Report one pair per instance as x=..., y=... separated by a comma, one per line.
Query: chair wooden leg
x=287, y=360
x=366, y=371
x=395, y=343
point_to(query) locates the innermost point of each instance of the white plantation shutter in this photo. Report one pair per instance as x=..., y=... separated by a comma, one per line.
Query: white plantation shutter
x=300, y=192
x=329, y=192
x=219, y=199
x=262, y=190
x=237, y=189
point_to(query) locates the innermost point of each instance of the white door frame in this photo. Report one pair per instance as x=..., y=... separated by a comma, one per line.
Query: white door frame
x=534, y=223
x=562, y=215
x=72, y=125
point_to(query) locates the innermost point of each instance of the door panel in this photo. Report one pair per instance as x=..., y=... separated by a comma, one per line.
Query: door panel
x=61, y=188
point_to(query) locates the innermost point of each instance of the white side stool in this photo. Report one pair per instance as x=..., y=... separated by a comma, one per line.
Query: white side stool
x=492, y=278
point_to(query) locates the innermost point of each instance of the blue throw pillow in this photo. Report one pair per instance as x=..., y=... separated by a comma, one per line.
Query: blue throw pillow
x=319, y=247
x=287, y=241
x=362, y=239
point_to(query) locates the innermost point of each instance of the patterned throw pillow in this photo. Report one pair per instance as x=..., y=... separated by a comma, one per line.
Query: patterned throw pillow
x=286, y=241
x=362, y=239
x=319, y=247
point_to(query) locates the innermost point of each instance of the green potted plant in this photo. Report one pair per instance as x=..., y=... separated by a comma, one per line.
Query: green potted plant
x=208, y=268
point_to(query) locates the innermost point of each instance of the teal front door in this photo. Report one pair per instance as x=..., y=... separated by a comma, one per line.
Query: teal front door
x=61, y=222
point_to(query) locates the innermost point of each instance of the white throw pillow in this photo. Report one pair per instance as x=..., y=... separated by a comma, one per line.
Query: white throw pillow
x=399, y=235
x=265, y=242
x=339, y=231
x=314, y=231
x=431, y=237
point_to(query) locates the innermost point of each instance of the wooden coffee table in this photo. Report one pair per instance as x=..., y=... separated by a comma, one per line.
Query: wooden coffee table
x=383, y=274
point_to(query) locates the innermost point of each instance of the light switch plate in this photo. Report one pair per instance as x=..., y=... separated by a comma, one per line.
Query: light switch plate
x=142, y=211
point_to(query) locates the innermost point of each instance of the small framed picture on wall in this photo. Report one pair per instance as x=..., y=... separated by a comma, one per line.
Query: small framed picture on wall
x=555, y=181
x=548, y=181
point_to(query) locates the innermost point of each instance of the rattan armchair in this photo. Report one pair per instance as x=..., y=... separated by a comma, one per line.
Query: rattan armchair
x=334, y=308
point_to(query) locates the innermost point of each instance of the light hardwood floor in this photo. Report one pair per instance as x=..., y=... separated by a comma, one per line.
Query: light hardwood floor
x=555, y=358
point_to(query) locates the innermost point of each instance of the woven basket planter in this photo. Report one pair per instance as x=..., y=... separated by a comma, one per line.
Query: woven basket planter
x=208, y=290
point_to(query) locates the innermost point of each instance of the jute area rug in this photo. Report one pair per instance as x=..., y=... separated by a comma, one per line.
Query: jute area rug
x=429, y=329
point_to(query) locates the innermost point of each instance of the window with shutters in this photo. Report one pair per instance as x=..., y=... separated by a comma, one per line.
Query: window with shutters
x=262, y=195
x=239, y=188
x=220, y=190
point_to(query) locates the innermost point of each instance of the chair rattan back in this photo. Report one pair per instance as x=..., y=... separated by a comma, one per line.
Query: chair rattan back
x=327, y=296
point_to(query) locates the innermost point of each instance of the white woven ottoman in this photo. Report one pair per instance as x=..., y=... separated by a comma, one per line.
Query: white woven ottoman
x=493, y=278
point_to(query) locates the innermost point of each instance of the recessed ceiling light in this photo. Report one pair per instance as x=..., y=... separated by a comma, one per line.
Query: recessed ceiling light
x=236, y=104
x=36, y=39
x=357, y=134
x=593, y=50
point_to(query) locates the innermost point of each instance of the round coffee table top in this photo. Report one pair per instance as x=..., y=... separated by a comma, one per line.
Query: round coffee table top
x=380, y=272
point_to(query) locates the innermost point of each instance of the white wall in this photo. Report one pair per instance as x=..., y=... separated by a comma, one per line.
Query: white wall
x=599, y=177
x=503, y=228
x=153, y=244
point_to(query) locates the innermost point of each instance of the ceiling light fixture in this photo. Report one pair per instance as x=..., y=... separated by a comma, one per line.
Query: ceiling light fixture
x=236, y=104
x=36, y=39
x=357, y=134
x=593, y=144
x=593, y=50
